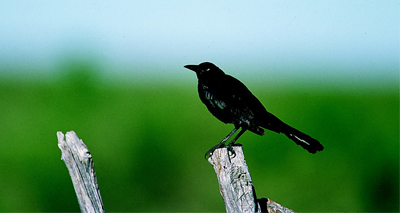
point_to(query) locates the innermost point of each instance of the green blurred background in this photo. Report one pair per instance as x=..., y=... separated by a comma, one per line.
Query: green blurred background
x=113, y=73
x=148, y=143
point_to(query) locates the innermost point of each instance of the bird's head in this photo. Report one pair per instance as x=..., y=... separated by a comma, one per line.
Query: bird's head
x=205, y=68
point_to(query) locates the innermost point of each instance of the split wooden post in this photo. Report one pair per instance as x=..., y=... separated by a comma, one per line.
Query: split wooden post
x=79, y=162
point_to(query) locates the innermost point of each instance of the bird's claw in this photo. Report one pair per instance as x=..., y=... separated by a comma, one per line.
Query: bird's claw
x=209, y=152
x=231, y=152
x=229, y=148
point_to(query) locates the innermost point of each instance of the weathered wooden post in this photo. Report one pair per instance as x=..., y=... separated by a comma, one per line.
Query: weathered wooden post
x=236, y=186
x=79, y=162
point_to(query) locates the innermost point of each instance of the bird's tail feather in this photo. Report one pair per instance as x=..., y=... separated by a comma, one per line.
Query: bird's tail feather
x=304, y=140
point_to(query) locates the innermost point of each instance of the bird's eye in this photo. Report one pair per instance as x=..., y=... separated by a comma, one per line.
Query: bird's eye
x=208, y=69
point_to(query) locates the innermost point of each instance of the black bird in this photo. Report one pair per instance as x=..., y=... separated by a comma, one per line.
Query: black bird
x=230, y=101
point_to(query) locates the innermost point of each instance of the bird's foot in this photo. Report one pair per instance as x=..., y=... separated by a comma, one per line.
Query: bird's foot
x=210, y=152
x=231, y=152
x=229, y=147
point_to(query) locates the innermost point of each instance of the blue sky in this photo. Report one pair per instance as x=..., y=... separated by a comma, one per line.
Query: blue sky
x=307, y=39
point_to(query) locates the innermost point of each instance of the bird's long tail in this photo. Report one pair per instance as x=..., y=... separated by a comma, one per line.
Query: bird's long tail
x=304, y=140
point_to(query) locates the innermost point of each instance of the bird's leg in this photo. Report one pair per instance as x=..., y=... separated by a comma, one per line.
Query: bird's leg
x=220, y=144
x=230, y=144
x=229, y=135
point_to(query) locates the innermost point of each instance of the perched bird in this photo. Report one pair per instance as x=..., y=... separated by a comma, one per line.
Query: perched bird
x=230, y=101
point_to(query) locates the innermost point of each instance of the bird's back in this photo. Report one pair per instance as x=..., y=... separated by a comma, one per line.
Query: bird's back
x=230, y=101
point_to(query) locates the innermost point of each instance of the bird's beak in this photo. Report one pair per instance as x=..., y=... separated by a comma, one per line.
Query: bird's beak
x=192, y=67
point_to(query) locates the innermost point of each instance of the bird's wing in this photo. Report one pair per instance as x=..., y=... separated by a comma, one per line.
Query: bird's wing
x=227, y=99
x=249, y=107
x=241, y=95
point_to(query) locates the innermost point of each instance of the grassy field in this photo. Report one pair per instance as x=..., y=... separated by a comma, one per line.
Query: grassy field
x=148, y=145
